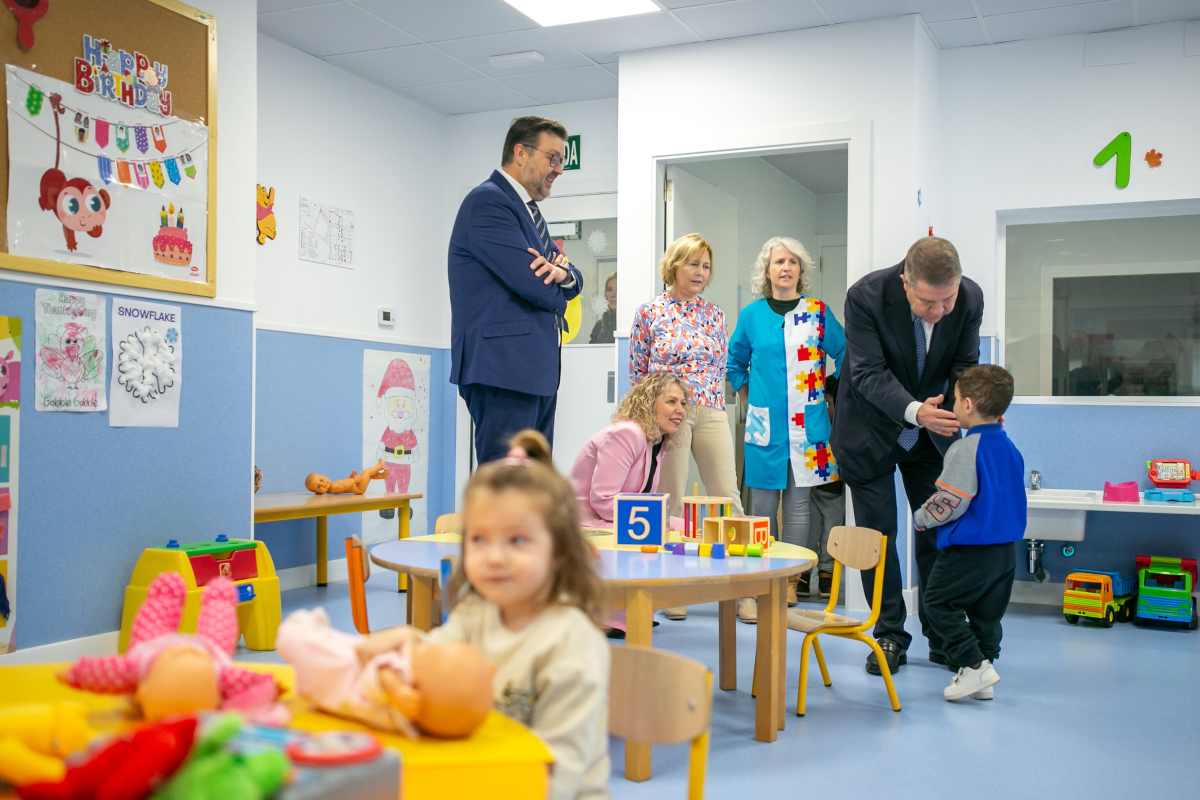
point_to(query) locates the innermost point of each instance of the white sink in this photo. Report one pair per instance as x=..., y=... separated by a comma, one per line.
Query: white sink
x=1058, y=515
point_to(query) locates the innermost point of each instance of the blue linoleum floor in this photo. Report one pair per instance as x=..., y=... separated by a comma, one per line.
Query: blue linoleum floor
x=1080, y=712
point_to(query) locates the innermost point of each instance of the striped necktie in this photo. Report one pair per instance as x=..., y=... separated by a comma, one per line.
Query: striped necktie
x=539, y=222
x=908, y=436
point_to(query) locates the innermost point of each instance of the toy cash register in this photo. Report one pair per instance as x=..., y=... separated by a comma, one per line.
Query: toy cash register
x=1171, y=478
x=247, y=563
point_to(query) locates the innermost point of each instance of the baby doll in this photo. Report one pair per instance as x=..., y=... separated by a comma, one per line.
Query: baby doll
x=444, y=689
x=356, y=483
x=178, y=673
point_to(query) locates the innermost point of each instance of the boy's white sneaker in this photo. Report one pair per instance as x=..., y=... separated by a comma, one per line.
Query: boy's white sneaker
x=985, y=694
x=967, y=681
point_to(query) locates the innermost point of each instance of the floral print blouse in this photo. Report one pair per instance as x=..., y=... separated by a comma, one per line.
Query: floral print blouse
x=685, y=338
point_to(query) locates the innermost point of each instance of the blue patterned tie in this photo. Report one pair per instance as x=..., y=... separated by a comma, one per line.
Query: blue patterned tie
x=908, y=436
x=539, y=222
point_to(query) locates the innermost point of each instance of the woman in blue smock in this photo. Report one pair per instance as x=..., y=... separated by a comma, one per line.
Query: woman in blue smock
x=785, y=349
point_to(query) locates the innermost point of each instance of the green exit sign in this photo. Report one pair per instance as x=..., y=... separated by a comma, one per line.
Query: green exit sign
x=573, y=149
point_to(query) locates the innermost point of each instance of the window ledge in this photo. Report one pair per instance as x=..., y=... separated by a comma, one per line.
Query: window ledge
x=1112, y=400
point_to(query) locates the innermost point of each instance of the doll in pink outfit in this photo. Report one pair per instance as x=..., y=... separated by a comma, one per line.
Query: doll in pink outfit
x=330, y=675
x=172, y=672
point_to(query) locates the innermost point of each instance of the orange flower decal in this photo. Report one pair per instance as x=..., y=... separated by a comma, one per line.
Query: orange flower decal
x=1154, y=158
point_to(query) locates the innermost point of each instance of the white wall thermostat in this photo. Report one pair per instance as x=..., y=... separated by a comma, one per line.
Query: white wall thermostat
x=386, y=318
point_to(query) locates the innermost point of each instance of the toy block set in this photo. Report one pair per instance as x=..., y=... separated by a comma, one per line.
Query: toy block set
x=247, y=563
x=711, y=530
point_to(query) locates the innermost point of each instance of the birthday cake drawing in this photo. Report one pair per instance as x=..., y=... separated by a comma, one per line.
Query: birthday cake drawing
x=171, y=245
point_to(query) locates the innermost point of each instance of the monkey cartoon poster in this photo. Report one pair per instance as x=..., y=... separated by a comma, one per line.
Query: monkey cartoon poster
x=71, y=347
x=99, y=183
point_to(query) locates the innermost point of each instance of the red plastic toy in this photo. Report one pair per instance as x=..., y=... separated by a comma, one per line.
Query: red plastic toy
x=1171, y=473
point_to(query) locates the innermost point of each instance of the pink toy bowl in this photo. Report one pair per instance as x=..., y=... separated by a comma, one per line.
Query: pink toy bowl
x=1126, y=492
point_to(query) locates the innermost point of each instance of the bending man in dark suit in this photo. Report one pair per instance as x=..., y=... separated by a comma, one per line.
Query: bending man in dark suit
x=509, y=287
x=894, y=406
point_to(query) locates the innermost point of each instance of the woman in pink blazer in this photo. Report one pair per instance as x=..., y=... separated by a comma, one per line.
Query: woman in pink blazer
x=626, y=456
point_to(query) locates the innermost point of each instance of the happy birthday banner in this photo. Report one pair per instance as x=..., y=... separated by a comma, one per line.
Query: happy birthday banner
x=122, y=77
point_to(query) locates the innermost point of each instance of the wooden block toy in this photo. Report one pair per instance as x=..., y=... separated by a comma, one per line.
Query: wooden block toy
x=754, y=550
x=696, y=509
x=760, y=530
x=640, y=518
x=736, y=549
x=718, y=551
x=705, y=550
x=674, y=548
x=649, y=548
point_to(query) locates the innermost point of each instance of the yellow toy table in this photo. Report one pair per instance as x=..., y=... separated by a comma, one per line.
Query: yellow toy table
x=502, y=759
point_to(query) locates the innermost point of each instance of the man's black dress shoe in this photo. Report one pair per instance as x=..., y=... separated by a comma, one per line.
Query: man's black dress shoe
x=896, y=657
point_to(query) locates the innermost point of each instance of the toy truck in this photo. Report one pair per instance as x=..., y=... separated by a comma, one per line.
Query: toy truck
x=1103, y=596
x=1165, y=587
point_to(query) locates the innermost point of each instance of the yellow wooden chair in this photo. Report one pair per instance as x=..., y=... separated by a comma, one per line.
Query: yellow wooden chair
x=857, y=548
x=662, y=698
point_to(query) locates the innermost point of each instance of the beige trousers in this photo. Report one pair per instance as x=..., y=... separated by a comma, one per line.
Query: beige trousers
x=705, y=435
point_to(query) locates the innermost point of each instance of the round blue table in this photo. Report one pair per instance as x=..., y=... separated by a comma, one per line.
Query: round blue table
x=638, y=583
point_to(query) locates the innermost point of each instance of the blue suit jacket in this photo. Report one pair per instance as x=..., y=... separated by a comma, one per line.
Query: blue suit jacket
x=504, y=321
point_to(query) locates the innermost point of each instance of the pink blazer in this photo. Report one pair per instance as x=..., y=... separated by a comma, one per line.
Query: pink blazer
x=615, y=460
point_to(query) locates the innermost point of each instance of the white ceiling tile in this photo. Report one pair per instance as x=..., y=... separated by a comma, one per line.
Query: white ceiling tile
x=476, y=50
x=1152, y=11
x=602, y=40
x=585, y=83
x=613, y=66
x=686, y=3
x=989, y=7
x=931, y=10
x=958, y=33
x=1060, y=21
x=334, y=28
x=465, y=97
x=401, y=67
x=267, y=6
x=439, y=20
x=749, y=17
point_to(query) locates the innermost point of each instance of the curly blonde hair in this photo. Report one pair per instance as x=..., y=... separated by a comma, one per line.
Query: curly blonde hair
x=761, y=283
x=681, y=251
x=638, y=405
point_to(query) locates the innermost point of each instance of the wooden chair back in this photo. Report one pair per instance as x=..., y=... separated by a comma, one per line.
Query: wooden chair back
x=358, y=568
x=857, y=548
x=448, y=523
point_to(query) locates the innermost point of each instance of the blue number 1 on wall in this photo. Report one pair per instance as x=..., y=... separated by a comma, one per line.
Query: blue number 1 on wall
x=640, y=518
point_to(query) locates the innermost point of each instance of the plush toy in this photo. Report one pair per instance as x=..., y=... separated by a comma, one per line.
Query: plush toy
x=34, y=739
x=445, y=689
x=214, y=771
x=356, y=483
x=175, y=673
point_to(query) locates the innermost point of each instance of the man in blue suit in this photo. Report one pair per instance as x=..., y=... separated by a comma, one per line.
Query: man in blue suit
x=509, y=287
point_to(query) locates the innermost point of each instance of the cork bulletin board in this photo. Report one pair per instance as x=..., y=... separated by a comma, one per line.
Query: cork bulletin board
x=108, y=143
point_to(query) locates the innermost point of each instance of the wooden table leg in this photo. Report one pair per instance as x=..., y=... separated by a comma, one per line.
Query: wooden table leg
x=770, y=686
x=322, y=550
x=402, y=513
x=782, y=611
x=727, y=644
x=420, y=600
x=639, y=622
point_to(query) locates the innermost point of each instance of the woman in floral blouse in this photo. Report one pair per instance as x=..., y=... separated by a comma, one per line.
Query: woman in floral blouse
x=684, y=334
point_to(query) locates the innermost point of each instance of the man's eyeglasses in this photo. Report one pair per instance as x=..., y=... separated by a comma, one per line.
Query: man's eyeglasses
x=555, y=159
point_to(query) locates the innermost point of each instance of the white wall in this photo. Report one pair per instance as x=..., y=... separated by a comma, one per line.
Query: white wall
x=1023, y=120
x=477, y=139
x=768, y=91
x=343, y=141
x=769, y=203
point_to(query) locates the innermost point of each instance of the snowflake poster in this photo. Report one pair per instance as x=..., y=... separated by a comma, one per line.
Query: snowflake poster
x=147, y=369
x=396, y=431
x=97, y=183
x=71, y=347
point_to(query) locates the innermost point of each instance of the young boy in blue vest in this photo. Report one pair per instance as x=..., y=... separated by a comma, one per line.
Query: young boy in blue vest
x=976, y=514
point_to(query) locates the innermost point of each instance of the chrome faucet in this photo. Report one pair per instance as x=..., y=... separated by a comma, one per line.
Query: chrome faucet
x=1035, y=480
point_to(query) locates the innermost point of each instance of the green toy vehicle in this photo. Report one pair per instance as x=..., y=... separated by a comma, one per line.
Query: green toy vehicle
x=1164, y=594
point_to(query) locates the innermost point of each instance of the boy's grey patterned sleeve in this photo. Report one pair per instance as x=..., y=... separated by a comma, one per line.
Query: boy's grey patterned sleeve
x=957, y=484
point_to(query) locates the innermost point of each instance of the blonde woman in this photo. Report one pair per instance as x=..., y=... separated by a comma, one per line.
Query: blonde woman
x=626, y=455
x=785, y=353
x=681, y=333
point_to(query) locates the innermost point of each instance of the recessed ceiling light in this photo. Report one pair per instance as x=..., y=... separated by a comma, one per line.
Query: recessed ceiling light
x=563, y=12
x=526, y=58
